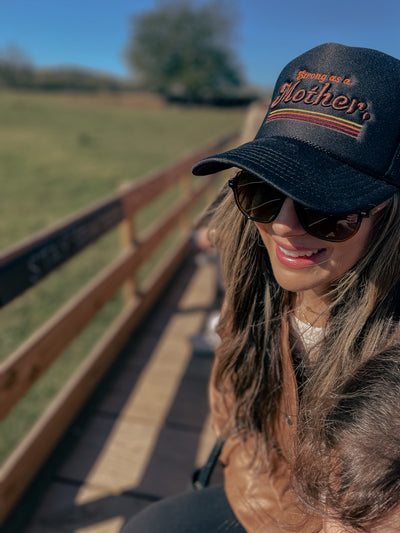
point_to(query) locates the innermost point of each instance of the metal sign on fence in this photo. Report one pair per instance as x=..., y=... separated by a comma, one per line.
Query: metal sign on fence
x=24, y=271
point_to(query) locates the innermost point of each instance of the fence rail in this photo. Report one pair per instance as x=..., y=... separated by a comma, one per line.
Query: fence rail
x=26, y=264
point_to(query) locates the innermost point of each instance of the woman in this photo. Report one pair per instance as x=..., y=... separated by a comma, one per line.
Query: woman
x=312, y=292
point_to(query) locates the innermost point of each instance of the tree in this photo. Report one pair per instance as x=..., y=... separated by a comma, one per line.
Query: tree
x=182, y=49
x=16, y=69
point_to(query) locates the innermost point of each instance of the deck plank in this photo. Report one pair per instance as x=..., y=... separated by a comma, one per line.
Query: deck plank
x=149, y=427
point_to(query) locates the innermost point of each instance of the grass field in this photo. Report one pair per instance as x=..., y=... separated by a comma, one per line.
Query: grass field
x=58, y=154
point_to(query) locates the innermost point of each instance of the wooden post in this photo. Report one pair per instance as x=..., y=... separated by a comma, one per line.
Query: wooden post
x=186, y=188
x=128, y=242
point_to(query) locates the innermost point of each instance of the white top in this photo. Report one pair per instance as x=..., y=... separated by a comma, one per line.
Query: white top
x=310, y=335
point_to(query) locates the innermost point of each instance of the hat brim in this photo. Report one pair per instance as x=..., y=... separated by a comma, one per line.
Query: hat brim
x=303, y=173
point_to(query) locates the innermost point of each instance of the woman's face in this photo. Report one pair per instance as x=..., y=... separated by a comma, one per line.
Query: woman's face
x=301, y=262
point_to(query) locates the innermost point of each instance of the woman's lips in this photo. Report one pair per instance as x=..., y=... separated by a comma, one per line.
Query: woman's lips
x=299, y=258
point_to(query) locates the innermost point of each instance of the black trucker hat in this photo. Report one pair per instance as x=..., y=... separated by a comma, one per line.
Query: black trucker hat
x=331, y=137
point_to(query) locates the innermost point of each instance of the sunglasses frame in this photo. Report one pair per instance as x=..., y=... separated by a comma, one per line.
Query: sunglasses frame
x=299, y=208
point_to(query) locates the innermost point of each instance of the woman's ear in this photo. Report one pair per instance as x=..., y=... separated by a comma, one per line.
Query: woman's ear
x=379, y=207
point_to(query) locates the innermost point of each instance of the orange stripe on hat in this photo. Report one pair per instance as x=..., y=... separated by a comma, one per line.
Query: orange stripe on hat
x=322, y=119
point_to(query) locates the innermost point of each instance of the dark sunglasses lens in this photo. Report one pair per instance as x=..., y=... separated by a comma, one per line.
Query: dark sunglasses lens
x=257, y=199
x=328, y=227
x=262, y=203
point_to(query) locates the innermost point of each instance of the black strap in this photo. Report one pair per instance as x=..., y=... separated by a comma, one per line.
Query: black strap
x=201, y=477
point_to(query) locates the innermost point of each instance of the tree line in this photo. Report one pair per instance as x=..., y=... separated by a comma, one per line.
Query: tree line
x=18, y=72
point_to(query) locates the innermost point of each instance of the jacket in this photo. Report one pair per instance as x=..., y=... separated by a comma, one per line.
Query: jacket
x=264, y=502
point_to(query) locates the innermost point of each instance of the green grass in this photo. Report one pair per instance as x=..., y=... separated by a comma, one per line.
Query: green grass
x=57, y=156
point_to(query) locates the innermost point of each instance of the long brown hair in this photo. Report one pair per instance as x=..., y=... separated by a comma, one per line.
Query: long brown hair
x=364, y=315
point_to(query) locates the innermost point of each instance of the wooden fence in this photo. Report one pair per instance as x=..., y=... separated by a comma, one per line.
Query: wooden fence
x=25, y=265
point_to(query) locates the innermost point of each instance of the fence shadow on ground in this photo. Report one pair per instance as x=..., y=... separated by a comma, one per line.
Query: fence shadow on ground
x=71, y=493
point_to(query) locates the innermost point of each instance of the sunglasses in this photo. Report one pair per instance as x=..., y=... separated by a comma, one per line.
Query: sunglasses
x=260, y=202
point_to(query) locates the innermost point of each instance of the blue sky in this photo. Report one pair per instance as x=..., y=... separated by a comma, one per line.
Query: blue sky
x=93, y=33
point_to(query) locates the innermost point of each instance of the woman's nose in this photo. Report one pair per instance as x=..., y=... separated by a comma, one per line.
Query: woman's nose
x=287, y=222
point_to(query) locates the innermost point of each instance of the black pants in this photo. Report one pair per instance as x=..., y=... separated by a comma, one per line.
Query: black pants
x=202, y=511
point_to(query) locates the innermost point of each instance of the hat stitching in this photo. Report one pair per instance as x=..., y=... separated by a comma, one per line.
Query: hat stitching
x=287, y=166
x=254, y=153
x=342, y=161
x=363, y=190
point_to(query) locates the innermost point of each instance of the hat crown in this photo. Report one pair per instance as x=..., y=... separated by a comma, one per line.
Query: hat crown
x=343, y=101
x=331, y=137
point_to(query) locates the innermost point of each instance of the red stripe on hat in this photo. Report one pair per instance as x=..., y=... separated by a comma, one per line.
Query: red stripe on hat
x=349, y=128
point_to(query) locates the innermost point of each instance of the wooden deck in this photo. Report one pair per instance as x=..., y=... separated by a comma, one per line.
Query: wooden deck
x=146, y=429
